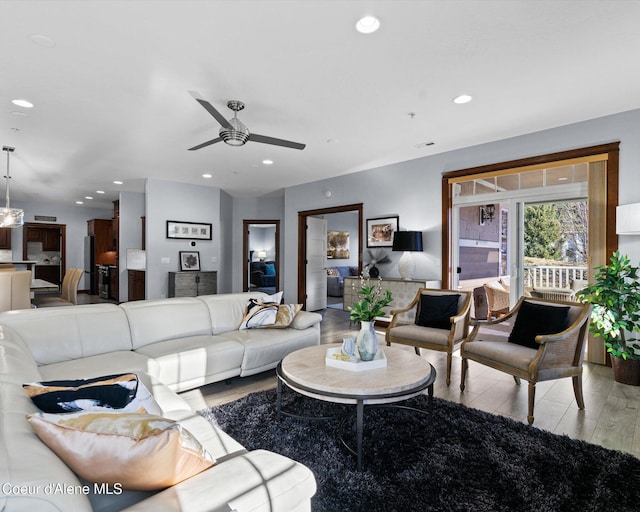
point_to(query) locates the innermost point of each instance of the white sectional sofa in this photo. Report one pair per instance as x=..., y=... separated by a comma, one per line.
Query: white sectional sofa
x=173, y=345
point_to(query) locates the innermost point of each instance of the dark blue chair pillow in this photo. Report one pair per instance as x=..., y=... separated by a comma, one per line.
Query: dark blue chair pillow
x=535, y=319
x=437, y=310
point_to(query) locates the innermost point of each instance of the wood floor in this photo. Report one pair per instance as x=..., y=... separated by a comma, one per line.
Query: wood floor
x=611, y=417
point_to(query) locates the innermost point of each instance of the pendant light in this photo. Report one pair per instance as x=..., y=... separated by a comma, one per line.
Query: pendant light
x=10, y=217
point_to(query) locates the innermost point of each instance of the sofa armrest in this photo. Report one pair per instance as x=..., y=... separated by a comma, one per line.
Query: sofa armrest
x=306, y=319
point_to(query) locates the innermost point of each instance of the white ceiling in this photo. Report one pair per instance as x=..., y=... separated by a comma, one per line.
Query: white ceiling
x=111, y=97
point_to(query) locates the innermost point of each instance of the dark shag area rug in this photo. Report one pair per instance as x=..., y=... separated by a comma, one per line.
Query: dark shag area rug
x=455, y=459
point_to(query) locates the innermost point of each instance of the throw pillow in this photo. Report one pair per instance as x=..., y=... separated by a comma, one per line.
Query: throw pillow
x=259, y=314
x=276, y=297
x=535, y=319
x=124, y=392
x=436, y=310
x=269, y=269
x=286, y=314
x=139, y=451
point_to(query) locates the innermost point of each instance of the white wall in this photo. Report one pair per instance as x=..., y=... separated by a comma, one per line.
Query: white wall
x=412, y=189
x=166, y=200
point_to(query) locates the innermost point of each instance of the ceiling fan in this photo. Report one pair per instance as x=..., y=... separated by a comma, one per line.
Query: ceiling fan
x=233, y=131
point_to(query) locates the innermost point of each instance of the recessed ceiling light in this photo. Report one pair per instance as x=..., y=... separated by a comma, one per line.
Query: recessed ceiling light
x=564, y=178
x=79, y=202
x=88, y=197
x=463, y=98
x=41, y=40
x=207, y=175
x=117, y=182
x=368, y=24
x=267, y=162
x=22, y=103
x=99, y=191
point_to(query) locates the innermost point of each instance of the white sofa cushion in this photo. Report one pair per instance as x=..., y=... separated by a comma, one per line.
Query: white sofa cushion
x=76, y=332
x=190, y=362
x=152, y=321
x=227, y=310
x=94, y=366
x=265, y=348
x=16, y=363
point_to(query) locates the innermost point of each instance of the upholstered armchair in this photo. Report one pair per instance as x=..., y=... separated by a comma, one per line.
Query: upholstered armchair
x=434, y=320
x=537, y=340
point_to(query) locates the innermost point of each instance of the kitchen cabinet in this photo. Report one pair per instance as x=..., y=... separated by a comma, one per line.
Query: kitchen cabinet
x=50, y=240
x=114, y=282
x=5, y=238
x=136, y=280
x=191, y=284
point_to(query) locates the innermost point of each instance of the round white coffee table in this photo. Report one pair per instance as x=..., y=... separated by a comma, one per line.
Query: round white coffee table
x=406, y=375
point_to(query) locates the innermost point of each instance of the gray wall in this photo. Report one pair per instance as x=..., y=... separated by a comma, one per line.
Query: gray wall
x=167, y=200
x=412, y=189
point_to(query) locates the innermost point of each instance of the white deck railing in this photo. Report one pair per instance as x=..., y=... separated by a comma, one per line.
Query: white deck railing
x=552, y=276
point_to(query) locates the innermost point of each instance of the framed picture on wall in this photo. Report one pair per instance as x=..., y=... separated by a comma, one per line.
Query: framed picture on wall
x=191, y=230
x=338, y=245
x=189, y=260
x=380, y=231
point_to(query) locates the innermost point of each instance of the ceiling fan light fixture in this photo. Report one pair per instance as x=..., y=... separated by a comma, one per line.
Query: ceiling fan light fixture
x=238, y=136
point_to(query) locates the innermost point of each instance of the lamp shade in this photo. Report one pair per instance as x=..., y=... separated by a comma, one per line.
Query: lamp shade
x=628, y=219
x=407, y=241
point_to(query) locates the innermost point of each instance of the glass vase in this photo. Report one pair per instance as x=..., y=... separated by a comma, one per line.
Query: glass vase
x=367, y=341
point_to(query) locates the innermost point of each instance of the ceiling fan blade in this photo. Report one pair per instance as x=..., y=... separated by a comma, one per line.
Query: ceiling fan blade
x=205, y=144
x=276, y=142
x=211, y=109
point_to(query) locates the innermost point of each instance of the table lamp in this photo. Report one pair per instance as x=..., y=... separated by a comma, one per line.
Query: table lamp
x=407, y=241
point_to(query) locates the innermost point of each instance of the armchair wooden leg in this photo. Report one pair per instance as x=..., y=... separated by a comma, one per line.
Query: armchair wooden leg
x=449, y=360
x=577, y=390
x=532, y=398
x=463, y=373
x=517, y=379
x=417, y=350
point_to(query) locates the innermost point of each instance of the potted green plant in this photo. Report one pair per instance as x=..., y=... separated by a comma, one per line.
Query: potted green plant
x=615, y=295
x=365, y=311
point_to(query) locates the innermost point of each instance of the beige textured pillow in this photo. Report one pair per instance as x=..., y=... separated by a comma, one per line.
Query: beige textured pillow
x=138, y=451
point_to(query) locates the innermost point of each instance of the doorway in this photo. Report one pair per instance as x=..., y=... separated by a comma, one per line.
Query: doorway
x=304, y=252
x=590, y=173
x=46, y=245
x=261, y=255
